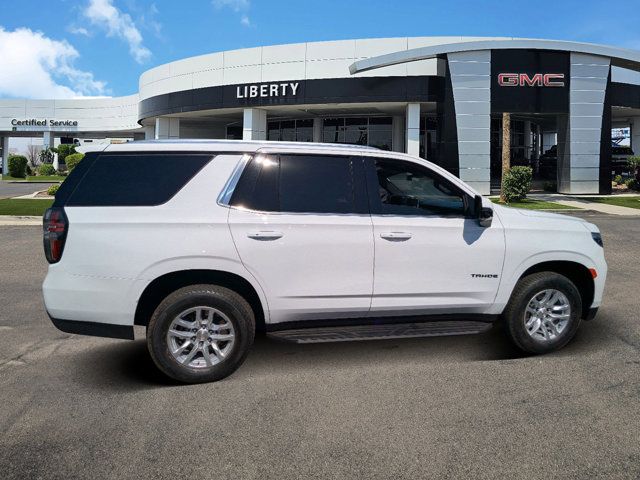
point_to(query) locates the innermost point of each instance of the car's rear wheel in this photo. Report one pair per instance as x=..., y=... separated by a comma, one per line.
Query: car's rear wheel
x=543, y=313
x=200, y=333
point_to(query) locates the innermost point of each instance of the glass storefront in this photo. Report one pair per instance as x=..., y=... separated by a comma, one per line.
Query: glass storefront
x=428, y=138
x=290, y=130
x=372, y=131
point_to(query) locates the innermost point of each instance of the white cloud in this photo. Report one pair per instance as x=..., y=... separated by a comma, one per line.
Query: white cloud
x=235, y=5
x=103, y=14
x=238, y=6
x=78, y=30
x=35, y=66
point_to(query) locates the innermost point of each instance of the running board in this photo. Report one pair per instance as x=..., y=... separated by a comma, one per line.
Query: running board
x=380, y=331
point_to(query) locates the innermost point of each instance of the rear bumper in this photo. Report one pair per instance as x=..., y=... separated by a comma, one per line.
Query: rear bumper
x=94, y=329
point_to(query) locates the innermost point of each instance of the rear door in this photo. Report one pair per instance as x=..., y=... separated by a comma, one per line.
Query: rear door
x=302, y=229
x=432, y=257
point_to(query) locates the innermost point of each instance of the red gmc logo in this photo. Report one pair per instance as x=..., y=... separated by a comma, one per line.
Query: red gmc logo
x=537, y=80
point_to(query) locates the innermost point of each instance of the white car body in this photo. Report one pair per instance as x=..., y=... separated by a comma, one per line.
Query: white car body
x=320, y=266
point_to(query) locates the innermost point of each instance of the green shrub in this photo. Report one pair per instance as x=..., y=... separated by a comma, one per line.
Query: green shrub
x=617, y=179
x=46, y=169
x=17, y=166
x=631, y=183
x=65, y=150
x=53, y=189
x=517, y=183
x=73, y=160
x=29, y=171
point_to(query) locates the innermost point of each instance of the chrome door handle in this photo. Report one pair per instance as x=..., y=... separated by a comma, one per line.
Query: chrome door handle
x=396, y=236
x=265, y=235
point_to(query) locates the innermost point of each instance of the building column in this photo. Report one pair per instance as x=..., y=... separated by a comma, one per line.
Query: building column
x=579, y=161
x=317, y=129
x=397, y=135
x=254, y=124
x=167, y=128
x=471, y=85
x=634, y=124
x=4, y=145
x=412, y=130
x=149, y=132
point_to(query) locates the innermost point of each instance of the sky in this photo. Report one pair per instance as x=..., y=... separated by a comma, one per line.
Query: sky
x=67, y=49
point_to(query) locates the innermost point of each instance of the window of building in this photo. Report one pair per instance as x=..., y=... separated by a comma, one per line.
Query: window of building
x=234, y=132
x=428, y=139
x=290, y=130
x=371, y=131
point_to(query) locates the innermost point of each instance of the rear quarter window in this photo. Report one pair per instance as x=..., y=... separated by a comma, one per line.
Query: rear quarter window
x=136, y=179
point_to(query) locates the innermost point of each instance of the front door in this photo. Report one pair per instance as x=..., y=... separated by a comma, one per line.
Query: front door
x=302, y=229
x=431, y=256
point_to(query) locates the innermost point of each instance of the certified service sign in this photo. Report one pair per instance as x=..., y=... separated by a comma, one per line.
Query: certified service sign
x=33, y=122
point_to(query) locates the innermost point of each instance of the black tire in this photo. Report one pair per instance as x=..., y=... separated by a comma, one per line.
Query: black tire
x=236, y=309
x=514, y=313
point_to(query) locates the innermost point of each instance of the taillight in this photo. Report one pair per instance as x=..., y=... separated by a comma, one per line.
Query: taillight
x=55, y=226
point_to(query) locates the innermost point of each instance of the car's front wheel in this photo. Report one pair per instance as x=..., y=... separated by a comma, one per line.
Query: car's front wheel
x=200, y=333
x=543, y=313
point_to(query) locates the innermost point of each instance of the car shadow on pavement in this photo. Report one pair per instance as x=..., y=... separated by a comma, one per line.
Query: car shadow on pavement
x=128, y=365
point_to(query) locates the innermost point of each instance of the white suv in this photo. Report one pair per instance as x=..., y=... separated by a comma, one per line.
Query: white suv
x=203, y=242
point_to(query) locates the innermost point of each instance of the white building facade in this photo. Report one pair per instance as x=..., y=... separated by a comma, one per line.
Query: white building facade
x=440, y=98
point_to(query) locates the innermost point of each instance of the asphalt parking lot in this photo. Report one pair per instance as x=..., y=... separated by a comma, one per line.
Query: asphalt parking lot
x=14, y=189
x=454, y=407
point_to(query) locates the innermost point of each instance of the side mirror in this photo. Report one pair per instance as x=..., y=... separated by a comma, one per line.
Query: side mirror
x=485, y=214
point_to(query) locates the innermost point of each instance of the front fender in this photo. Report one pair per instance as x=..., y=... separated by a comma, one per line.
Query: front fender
x=511, y=275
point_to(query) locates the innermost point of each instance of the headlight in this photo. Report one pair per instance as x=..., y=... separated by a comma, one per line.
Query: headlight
x=597, y=238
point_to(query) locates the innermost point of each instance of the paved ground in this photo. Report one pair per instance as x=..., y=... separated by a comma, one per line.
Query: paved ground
x=457, y=407
x=11, y=189
x=583, y=202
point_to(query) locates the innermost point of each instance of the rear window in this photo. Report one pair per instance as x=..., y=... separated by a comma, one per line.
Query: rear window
x=142, y=179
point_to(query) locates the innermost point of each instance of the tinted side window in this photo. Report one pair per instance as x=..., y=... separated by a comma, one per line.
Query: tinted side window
x=143, y=179
x=257, y=188
x=302, y=184
x=405, y=188
x=73, y=179
x=316, y=184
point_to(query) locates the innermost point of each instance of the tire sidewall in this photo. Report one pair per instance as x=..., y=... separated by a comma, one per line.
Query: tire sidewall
x=170, y=308
x=516, y=322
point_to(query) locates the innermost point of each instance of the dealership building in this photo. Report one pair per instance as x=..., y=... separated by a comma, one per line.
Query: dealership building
x=440, y=98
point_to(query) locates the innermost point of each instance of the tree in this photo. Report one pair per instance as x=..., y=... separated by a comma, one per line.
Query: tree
x=64, y=150
x=506, y=151
x=33, y=155
x=46, y=156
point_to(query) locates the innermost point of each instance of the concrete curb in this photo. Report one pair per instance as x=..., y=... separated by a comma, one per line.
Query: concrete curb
x=34, y=196
x=12, y=220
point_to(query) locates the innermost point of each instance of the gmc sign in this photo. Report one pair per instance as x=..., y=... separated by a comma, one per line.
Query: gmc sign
x=537, y=80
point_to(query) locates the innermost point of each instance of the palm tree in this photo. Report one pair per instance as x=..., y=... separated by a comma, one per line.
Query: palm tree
x=506, y=151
